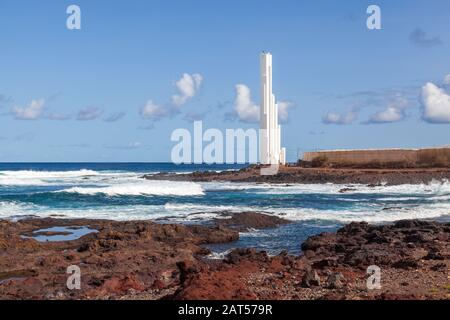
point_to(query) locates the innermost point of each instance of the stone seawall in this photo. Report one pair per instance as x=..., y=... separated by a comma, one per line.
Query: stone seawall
x=414, y=157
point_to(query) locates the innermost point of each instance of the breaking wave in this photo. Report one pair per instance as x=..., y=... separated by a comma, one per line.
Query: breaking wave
x=123, y=195
x=384, y=214
x=435, y=187
x=38, y=178
x=143, y=188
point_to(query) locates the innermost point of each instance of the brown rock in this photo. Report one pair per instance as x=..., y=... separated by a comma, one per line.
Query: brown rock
x=244, y=221
x=334, y=281
x=310, y=278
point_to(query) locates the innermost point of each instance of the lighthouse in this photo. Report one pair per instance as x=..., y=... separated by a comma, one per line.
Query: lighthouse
x=270, y=151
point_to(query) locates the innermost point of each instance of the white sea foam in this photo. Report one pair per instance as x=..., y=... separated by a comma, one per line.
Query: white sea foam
x=367, y=215
x=435, y=187
x=374, y=213
x=37, y=178
x=193, y=212
x=132, y=212
x=218, y=255
x=143, y=187
x=191, y=208
x=17, y=210
x=88, y=182
x=49, y=174
x=10, y=209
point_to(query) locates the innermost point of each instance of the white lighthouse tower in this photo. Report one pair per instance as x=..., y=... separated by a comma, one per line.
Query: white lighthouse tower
x=270, y=151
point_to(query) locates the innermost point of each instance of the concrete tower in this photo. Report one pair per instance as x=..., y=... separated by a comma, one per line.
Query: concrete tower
x=270, y=151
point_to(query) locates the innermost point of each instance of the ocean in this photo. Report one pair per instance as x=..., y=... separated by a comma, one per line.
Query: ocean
x=117, y=191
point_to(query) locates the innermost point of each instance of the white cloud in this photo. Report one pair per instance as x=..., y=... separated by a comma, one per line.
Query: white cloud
x=89, y=113
x=394, y=112
x=244, y=107
x=447, y=80
x=389, y=115
x=283, y=110
x=32, y=112
x=435, y=104
x=338, y=118
x=188, y=87
x=153, y=111
x=247, y=111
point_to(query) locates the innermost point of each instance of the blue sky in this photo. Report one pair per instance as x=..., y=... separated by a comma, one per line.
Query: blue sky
x=106, y=92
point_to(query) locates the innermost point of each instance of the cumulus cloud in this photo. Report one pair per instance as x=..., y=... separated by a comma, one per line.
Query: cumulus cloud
x=435, y=104
x=339, y=118
x=187, y=86
x=89, y=113
x=420, y=38
x=246, y=110
x=389, y=115
x=115, y=117
x=31, y=112
x=153, y=111
x=283, y=110
x=447, y=80
x=394, y=112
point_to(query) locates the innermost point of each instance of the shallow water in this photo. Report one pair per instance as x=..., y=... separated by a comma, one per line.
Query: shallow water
x=67, y=234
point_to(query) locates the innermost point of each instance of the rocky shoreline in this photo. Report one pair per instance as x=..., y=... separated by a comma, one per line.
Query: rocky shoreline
x=316, y=175
x=148, y=260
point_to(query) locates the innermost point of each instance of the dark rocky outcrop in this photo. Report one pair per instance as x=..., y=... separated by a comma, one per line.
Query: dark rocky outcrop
x=243, y=221
x=146, y=260
x=372, y=177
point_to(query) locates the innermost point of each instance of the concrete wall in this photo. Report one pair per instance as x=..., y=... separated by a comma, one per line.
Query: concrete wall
x=423, y=157
x=437, y=156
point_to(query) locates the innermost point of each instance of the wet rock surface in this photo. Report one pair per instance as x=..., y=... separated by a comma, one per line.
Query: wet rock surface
x=147, y=260
x=244, y=221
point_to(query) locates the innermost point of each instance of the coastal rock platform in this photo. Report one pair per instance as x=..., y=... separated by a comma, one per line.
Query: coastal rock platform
x=288, y=174
x=148, y=260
